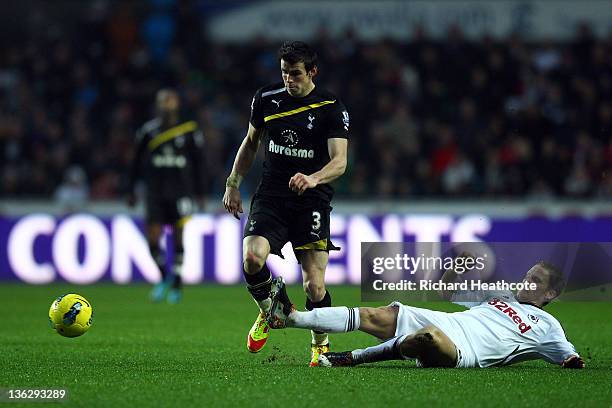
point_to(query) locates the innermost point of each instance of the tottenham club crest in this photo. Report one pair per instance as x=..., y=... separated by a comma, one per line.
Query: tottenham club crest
x=289, y=137
x=310, y=120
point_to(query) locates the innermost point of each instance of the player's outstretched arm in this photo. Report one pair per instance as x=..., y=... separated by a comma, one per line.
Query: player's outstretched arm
x=135, y=167
x=242, y=163
x=337, y=148
x=450, y=276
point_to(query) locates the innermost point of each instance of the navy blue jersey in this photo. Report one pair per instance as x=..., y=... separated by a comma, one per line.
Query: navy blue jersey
x=295, y=137
x=172, y=159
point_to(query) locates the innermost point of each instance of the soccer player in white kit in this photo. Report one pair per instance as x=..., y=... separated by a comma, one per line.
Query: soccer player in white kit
x=498, y=330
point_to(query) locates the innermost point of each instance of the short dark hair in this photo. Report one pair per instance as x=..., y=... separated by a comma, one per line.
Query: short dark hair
x=556, y=281
x=294, y=52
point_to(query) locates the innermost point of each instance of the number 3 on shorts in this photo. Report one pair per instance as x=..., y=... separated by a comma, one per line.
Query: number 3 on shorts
x=316, y=220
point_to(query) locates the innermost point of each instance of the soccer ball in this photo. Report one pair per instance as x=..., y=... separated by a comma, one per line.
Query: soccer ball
x=70, y=315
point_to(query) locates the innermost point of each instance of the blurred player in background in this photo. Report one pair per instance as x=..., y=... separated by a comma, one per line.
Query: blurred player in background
x=499, y=329
x=305, y=134
x=172, y=152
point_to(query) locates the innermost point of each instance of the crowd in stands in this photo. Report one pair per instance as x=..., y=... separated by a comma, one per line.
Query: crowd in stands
x=430, y=118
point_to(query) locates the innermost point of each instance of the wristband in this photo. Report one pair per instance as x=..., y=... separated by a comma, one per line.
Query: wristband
x=232, y=181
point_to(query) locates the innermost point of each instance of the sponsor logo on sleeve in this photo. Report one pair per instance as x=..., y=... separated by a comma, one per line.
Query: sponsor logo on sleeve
x=345, y=120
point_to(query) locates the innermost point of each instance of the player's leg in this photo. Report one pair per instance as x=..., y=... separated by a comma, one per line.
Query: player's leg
x=310, y=236
x=153, y=232
x=265, y=232
x=431, y=347
x=379, y=322
x=314, y=264
x=255, y=251
x=175, y=293
x=178, y=213
x=429, y=344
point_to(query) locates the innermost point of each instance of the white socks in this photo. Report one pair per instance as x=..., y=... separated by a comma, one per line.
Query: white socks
x=389, y=350
x=326, y=319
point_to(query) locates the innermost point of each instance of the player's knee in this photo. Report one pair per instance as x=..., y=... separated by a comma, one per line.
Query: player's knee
x=430, y=345
x=253, y=260
x=429, y=338
x=314, y=290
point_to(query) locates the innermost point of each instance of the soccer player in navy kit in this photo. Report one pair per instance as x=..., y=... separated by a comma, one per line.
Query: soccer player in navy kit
x=304, y=130
x=171, y=150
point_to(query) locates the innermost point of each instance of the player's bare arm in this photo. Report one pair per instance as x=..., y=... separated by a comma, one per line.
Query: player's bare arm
x=135, y=168
x=244, y=159
x=337, y=148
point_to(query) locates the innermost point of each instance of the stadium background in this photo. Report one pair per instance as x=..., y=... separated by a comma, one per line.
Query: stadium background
x=472, y=120
x=494, y=118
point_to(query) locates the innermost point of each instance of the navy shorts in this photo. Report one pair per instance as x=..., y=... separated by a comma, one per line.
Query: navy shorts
x=303, y=221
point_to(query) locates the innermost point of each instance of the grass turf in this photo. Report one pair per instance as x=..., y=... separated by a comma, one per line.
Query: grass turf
x=194, y=354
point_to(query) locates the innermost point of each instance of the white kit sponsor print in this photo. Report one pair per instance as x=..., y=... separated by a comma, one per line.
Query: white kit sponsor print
x=290, y=139
x=287, y=151
x=507, y=310
x=345, y=120
x=316, y=224
x=169, y=158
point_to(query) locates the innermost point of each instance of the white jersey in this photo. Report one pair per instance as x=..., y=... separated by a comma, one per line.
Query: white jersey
x=498, y=331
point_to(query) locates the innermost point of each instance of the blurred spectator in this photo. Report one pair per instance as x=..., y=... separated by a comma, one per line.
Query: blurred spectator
x=452, y=117
x=73, y=193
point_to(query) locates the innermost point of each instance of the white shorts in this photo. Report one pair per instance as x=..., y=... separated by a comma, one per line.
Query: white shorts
x=411, y=319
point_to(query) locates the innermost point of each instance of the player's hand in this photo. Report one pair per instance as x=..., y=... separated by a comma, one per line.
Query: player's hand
x=573, y=362
x=131, y=199
x=232, y=201
x=301, y=182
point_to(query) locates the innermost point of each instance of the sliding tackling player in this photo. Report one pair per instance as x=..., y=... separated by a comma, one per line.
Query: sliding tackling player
x=501, y=329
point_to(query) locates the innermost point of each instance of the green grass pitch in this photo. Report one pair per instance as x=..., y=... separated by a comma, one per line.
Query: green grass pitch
x=140, y=354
